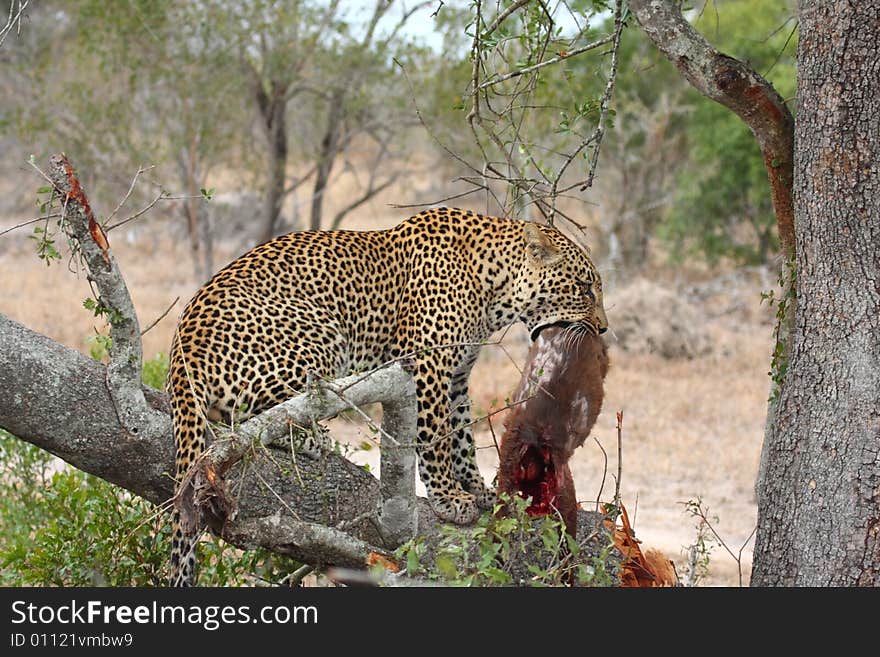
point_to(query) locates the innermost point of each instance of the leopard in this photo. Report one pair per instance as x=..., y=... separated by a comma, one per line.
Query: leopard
x=325, y=303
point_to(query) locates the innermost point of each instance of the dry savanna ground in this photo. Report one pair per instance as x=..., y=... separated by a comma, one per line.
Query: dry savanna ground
x=692, y=425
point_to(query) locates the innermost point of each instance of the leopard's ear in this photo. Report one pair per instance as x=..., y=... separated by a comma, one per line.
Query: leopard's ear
x=539, y=247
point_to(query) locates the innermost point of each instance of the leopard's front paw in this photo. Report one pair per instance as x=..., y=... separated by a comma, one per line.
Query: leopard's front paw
x=486, y=498
x=484, y=495
x=455, y=506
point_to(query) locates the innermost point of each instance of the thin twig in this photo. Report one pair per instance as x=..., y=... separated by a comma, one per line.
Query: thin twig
x=606, y=97
x=782, y=50
x=357, y=409
x=29, y=222
x=692, y=567
x=160, y=317
x=703, y=514
x=297, y=576
x=429, y=203
x=44, y=175
x=163, y=195
x=547, y=62
x=140, y=171
x=494, y=437
x=604, y=473
x=619, y=458
x=500, y=18
x=14, y=19
x=268, y=487
x=451, y=153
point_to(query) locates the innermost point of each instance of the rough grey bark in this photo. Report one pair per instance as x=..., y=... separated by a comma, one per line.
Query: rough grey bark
x=58, y=399
x=394, y=389
x=819, y=489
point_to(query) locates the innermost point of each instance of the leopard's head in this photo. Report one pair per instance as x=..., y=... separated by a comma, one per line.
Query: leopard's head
x=558, y=284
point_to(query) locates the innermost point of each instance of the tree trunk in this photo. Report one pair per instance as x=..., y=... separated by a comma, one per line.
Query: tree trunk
x=192, y=212
x=273, y=110
x=819, y=489
x=327, y=157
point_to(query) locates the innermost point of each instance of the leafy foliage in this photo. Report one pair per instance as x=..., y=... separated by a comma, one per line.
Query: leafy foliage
x=482, y=555
x=700, y=551
x=155, y=371
x=784, y=304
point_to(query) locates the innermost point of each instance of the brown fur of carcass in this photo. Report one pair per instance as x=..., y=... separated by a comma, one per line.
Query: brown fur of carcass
x=555, y=407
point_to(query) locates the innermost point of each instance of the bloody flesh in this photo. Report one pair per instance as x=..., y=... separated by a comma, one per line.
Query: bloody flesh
x=536, y=479
x=557, y=402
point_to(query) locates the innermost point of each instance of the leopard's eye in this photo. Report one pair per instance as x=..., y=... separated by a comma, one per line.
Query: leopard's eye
x=587, y=288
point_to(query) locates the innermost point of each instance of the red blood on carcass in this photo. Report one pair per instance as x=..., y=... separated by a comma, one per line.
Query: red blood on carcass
x=556, y=405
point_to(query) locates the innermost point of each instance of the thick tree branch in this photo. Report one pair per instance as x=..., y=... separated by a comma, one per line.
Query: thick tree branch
x=736, y=86
x=57, y=399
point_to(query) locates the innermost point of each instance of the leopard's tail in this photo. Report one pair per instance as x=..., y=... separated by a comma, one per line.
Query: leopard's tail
x=183, y=555
x=190, y=427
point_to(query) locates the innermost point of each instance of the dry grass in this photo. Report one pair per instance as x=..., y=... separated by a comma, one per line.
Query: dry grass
x=691, y=427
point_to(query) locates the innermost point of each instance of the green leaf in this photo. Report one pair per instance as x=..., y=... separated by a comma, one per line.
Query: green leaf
x=412, y=561
x=446, y=567
x=498, y=576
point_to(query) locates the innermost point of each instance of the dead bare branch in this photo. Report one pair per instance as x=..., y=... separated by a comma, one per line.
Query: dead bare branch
x=13, y=21
x=126, y=356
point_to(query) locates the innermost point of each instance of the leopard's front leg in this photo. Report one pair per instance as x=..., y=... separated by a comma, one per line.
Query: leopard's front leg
x=449, y=500
x=464, y=462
